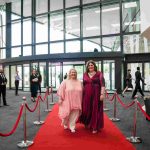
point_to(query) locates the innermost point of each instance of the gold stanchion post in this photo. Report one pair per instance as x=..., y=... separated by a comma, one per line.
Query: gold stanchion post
x=47, y=109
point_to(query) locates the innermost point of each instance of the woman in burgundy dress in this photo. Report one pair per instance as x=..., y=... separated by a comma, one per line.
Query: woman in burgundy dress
x=93, y=96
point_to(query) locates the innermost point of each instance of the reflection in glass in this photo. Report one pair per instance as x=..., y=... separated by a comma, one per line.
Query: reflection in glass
x=72, y=46
x=57, y=48
x=42, y=29
x=136, y=44
x=131, y=16
x=13, y=72
x=56, y=27
x=89, y=45
x=19, y=69
x=72, y=24
x=6, y=71
x=147, y=76
x=110, y=19
x=2, y=53
x=27, y=31
x=16, y=33
x=111, y=44
x=91, y=21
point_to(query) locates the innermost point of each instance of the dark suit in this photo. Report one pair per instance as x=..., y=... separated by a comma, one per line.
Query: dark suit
x=137, y=84
x=3, y=82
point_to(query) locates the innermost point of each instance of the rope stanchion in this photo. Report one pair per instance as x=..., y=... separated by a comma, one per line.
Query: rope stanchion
x=25, y=142
x=105, y=108
x=134, y=138
x=38, y=122
x=114, y=119
x=47, y=105
x=51, y=89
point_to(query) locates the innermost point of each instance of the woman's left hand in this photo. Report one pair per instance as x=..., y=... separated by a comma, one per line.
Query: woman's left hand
x=101, y=97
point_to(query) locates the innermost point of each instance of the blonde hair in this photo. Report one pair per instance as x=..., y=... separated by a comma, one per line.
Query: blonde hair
x=69, y=76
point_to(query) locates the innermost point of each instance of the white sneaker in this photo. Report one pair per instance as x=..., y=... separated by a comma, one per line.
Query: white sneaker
x=65, y=127
x=73, y=130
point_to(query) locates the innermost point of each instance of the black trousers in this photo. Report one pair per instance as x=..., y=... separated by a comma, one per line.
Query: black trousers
x=16, y=86
x=3, y=93
x=137, y=87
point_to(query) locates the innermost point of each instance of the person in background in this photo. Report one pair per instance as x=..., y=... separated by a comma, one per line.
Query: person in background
x=128, y=82
x=65, y=76
x=70, y=98
x=3, y=82
x=34, y=85
x=138, y=78
x=17, y=79
x=39, y=80
x=93, y=96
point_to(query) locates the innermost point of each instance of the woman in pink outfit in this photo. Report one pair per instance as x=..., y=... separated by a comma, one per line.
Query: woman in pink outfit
x=70, y=99
x=93, y=96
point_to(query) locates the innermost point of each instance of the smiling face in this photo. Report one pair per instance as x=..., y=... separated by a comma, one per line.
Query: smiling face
x=91, y=67
x=73, y=74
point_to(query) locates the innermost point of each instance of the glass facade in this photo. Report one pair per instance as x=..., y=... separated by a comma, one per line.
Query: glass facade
x=56, y=31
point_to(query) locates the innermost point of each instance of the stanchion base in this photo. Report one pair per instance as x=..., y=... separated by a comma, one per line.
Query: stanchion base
x=52, y=103
x=38, y=122
x=114, y=119
x=47, y=110
x=133, y=139
x=23, y=144
x=106, y=109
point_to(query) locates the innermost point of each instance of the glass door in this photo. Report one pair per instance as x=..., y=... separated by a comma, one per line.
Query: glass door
x=109, y=74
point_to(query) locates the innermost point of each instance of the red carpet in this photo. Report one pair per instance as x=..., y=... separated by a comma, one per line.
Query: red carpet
x=52, y=136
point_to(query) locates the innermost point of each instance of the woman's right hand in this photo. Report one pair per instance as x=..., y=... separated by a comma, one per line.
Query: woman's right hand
x=59, y=102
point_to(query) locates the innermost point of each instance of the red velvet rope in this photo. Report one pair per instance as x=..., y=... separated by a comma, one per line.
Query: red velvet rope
x=111, y=99
x=143, y=111
x=16, y=124
x=124, y=105
x=32, y=110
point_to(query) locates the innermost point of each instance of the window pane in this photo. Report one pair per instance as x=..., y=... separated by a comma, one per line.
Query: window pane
x=2, y=53
x=27, y=51
x=147, y=76
x=27, y=31
x=41, y=6
x=89, y=1
x=91, y=27
x=16, y=10
x=42, y=49
x=56, y=27
x=15, y=52
x=89, y=45
x=73, y=46
x=57, y=48
x=72, y=24
x=16, y=33
x=131, y=16
x=3, y=16
x=71, y=3
x=42, y=29
x=27, y=5
x=110, y=19
x=56, y=5
x=2, y=36
x=111, y=44
x=136, y=44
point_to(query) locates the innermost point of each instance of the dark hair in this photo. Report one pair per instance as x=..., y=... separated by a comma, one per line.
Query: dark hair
x=129, y=69
x=138, y=68
x=92, y=62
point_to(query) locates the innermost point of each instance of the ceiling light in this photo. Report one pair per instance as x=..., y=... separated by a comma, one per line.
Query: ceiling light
x=92, y=28
x=108, y=10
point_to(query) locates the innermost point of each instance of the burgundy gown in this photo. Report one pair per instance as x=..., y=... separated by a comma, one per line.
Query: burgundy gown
x=92, y=107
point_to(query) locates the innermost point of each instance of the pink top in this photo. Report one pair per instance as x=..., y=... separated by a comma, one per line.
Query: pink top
x=70, y=92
